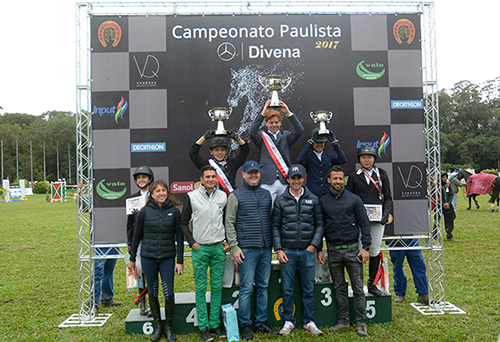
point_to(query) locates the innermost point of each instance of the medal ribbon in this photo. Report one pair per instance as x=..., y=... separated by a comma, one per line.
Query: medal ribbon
x=221, y=177
x=373, y=181
x=276, y=155
x=380, y=273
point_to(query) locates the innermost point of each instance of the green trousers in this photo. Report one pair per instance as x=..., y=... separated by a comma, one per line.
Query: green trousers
x=206, y=256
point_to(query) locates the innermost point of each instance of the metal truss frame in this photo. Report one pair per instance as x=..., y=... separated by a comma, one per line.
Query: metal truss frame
x=88, y=251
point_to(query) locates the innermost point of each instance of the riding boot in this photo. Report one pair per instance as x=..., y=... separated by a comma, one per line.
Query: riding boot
x=372, y=274
x=154, y=304
x=143, y=305
x=169, y=317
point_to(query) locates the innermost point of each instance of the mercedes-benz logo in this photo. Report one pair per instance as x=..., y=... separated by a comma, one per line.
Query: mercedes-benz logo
x=226, y=51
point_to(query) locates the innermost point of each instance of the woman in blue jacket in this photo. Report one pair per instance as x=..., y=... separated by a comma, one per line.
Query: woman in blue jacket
x=157, y=226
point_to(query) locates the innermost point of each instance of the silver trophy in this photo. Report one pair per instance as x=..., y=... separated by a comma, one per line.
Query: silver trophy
x=322, y=116
x=275, y=83
x=220, y=114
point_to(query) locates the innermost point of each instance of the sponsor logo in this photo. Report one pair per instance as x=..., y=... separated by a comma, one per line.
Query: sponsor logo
x=404, y=30
x=278, y=309
x=362, y=69
x=226, y=51
x=148, y=147
x=413, y=179
x=109, y=31
x=116, y=111
x=407, y=104
x=182, y=187
x=118, y=189
x=381, y=145
x=150, y=68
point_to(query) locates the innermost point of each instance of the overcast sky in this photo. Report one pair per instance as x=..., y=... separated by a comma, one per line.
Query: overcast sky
x=38, y=66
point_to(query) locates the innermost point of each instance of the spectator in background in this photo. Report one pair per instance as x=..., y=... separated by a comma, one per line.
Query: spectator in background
x=455, y=185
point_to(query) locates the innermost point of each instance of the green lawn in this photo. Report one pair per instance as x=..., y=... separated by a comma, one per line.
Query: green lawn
x=39, y=282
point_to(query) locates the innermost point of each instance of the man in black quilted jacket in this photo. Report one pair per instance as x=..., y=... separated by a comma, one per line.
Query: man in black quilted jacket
x=297, y=233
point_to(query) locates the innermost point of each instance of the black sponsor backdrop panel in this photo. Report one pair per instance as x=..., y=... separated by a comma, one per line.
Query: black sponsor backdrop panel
x=113, y=27
x=407, y=116
x=111, y=187
x=105, y=106
x=323, y=78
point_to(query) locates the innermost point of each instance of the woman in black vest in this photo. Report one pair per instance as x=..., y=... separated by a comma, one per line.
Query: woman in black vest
x=372, y=185
x=157, y=226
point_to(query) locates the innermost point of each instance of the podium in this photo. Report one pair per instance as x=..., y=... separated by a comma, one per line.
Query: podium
x=378, y=309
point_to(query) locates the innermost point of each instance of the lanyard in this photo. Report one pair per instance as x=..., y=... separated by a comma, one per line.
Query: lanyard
x=380, y=196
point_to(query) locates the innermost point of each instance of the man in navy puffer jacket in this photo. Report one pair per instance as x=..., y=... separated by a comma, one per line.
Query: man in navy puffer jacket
x=297, y=233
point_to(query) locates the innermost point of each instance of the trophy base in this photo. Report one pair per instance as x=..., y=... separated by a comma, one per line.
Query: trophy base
x=221, y=133
x=275, y=102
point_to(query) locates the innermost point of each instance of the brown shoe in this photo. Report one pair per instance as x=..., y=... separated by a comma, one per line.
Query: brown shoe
x=452, y=239
x=423, y=299
x=362, y=331
x=113, y=303
x=399, y=299
x=338, y=326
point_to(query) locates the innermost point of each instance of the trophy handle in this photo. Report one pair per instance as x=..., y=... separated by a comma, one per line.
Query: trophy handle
x=313, y=116
x=289, y=81
x=261, y=81
x=211, y=114
x=229, y=111
x=330, y=116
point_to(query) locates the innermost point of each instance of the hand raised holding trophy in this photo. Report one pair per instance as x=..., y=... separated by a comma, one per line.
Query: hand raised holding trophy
x=323, y=117
x=275, y=83
x=220, y=114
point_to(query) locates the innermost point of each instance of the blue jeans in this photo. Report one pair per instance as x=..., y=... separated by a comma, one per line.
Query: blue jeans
x=454, y=201
x=417, y=266
x=338, y=260
x=256, y=267
x=305, y=261
x=103, y=275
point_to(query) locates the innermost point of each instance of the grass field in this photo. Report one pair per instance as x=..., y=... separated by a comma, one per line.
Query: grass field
x=39, y=282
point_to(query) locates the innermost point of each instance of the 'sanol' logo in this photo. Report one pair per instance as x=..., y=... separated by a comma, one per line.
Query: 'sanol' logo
x=109, y=31
x=404, y=30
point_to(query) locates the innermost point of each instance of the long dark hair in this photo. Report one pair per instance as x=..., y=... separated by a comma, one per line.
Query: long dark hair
x=160, y=182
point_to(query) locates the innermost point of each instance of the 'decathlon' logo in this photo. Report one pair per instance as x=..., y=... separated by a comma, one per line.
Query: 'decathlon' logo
x=404, y=30
x=369, y=75
x=109, y=31
x=108, y=194
x=384, y=142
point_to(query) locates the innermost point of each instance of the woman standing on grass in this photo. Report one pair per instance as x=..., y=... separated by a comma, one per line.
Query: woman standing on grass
x=372, y=185
x=157, y=226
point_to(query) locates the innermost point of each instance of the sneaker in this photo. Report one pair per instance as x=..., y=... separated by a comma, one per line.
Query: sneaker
x=312, y=328
x=362, y=331
x=399, y=299
x=246, y=332
x=219, y=332
x=423, y=299
x=338, y=326
x=113, y=303
x=206, y=335
x=287, y=328
x=265, y=329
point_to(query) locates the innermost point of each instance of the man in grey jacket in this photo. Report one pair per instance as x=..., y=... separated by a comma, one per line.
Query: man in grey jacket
x=274, y=145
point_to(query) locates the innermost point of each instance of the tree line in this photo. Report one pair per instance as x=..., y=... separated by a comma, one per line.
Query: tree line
x=469, y=119
x=30, y=141
x=469, y=124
